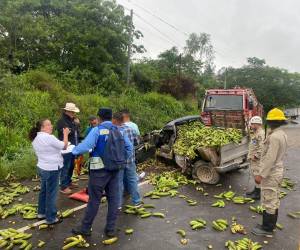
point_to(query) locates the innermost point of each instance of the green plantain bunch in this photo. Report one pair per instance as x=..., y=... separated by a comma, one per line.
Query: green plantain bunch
x=195, y=135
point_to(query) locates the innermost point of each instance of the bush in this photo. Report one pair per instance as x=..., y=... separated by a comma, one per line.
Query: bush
x=37, y=94
x=22, y=166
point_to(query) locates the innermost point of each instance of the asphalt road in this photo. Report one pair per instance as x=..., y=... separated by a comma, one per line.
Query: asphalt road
x=156, y=233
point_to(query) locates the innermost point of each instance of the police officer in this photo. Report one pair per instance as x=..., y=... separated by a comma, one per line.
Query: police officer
x=100, y=179
x=271, y=172
x=255, y=151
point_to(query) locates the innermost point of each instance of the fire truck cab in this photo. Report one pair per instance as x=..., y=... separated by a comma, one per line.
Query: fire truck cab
x=231, y=108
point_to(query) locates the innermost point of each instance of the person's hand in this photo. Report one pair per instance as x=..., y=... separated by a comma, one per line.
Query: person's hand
x=258, y=179
x=66, y=131
x=76, y=120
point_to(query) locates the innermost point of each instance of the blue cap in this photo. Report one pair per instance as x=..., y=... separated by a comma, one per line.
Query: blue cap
x=105, y=113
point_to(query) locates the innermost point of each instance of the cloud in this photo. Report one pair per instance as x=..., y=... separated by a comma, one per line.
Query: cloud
x=239, y=29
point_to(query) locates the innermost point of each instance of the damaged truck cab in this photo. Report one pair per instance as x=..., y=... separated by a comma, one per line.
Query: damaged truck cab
x=222, y=108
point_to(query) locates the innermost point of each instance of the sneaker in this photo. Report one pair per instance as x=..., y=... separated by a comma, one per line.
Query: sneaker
x=110, y=233
x=41, y=216
x=78, y=231
x=142, y=176
x=56, y=221
x=138, y=205
x=66, y=191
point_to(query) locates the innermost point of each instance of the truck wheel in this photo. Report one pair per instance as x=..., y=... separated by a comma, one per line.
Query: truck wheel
x=205, y=172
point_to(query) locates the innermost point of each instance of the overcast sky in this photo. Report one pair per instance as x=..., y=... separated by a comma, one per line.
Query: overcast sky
x=268, y=29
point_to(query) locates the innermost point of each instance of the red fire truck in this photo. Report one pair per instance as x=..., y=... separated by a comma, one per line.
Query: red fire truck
x=231, y=108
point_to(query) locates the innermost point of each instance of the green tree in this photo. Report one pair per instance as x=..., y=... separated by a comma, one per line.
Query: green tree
x=85, y=34
x=274, y=87
x=145, y=76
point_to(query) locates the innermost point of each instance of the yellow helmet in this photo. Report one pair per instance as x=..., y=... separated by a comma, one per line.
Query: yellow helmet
x=276, y=115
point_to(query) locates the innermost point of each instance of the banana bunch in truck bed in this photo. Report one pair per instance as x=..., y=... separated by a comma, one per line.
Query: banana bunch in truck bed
x=195, y=135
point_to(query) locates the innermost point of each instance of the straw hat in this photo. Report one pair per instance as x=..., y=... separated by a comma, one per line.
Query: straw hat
x=71, y=107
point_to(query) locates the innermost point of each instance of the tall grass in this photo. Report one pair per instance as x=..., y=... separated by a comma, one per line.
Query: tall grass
x=36, y=94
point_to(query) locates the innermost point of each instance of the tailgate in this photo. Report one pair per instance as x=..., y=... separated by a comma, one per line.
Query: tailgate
x=233, y=151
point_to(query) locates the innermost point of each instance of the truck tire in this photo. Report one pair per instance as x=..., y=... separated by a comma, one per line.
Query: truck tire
x=205, y=172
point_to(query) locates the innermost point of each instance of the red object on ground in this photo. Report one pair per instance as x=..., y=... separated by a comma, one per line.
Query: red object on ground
x=80, y=196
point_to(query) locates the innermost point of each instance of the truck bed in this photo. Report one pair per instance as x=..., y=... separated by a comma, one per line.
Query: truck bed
x=232, y=155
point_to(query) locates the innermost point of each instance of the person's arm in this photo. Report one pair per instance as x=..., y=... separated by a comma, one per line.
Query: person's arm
x=59, y=127
x=128, y=146
x=66, y=132
x=88, y=143
x=269, y=159
x=136, y=139
x=56, y=143
x=137, y=130
x=87, y=131
x=260, y=146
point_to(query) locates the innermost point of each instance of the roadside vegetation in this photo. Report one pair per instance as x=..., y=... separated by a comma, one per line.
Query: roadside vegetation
x=52, y=52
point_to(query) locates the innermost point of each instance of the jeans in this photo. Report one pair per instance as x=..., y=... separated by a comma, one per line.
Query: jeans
x=67, y=171
x=128, y=178
x=48, y=194
x=100, y=180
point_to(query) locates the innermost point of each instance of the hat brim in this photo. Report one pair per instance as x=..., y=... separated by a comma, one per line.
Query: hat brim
x=76, y=110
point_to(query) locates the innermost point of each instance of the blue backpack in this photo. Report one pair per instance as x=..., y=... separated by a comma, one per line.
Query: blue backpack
x=114, y=157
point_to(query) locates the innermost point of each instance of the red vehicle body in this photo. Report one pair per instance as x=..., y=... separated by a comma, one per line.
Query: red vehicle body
x=231, y=108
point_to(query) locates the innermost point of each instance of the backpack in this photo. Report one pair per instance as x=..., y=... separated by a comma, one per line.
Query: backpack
x=114, y=157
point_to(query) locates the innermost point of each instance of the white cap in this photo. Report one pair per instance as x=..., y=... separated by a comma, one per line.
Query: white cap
x=256, y=120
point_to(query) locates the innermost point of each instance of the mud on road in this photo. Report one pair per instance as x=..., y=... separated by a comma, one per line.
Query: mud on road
x=157, y=233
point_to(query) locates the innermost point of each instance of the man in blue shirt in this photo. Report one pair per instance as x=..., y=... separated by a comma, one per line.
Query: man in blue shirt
x=127, y=121
x=100, y=178
x=128, y=175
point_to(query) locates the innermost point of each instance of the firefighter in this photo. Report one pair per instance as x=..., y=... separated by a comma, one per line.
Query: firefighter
x=271, y=172
x=255, y=151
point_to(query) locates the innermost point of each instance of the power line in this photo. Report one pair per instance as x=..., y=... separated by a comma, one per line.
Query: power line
x=220, y=52
x=167, y=38
x=160, y=34
x=160, y=19
x=151, y=25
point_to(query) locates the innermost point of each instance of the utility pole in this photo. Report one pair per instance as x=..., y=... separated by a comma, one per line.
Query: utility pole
x=225, y=82
x=180, y=63
x=129, y=47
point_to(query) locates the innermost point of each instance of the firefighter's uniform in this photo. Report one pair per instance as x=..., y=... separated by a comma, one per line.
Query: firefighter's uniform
x=271, y=169
x=255, y=151
x=271, y=172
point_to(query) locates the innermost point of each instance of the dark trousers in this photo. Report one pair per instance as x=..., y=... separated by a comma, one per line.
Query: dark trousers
x=99, y=181
x=67, y=171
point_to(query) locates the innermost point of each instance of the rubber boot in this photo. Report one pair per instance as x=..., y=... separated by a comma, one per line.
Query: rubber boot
x=269, y=224
x=250, y=192
x=274, y=221
x=255, y=195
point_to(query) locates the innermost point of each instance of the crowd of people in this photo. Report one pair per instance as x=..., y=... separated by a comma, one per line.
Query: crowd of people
x=110, y=140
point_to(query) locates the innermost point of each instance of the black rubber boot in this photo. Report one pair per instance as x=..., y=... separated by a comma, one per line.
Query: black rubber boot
x=274, y=219
x=255, y=195
x=250, y=192
x=269, y=224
